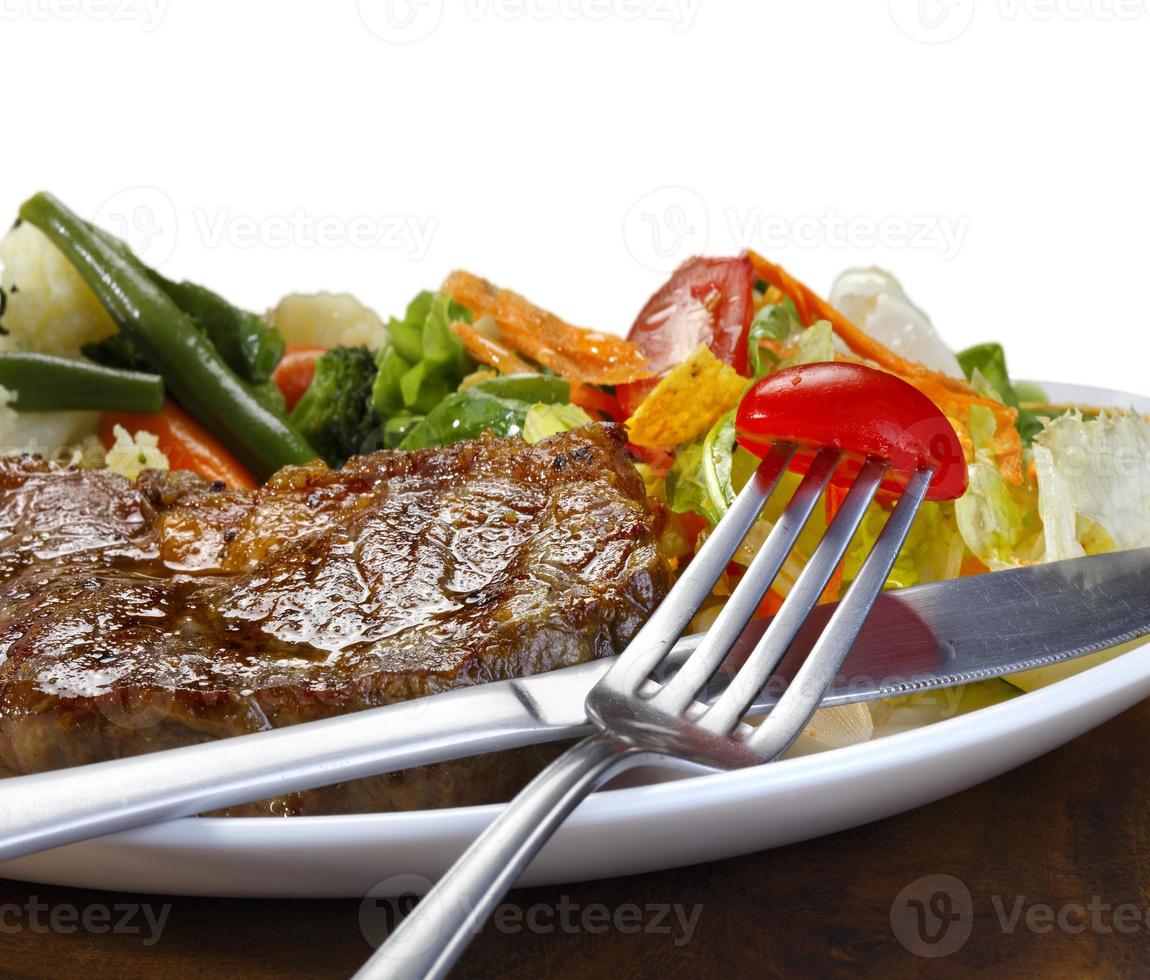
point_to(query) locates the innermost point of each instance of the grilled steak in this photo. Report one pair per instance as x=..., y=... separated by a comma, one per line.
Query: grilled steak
x=135, y=617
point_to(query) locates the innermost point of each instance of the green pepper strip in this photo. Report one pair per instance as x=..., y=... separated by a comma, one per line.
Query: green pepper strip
x=60, y=384
x=192, y=368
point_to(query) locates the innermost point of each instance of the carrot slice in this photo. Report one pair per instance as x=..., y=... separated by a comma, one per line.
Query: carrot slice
x=186, y=443
x=574, y=353
x=296, y=371
x=953, y=396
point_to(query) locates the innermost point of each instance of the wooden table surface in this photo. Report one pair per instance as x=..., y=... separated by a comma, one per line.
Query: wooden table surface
x=1048, y=869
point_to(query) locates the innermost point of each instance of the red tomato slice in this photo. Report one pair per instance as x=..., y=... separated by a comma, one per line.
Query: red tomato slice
x=706, y=301
x=860, y=410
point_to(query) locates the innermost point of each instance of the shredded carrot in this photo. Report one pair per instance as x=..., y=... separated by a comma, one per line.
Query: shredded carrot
x=574, y=353
x=488, y=351
x=592, y=399
x=953, y=396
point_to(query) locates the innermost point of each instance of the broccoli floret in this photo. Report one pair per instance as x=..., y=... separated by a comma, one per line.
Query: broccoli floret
x=336, y=413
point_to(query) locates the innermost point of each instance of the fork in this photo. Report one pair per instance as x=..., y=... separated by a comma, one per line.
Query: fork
x=643, y=722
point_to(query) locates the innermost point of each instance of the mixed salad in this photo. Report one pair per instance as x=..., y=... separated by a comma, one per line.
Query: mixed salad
x=106, y=362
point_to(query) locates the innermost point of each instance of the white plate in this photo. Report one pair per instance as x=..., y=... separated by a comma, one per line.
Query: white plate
x=625, y=831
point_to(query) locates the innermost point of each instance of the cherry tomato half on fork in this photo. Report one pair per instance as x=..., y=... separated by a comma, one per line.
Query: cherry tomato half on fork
x=861, y=411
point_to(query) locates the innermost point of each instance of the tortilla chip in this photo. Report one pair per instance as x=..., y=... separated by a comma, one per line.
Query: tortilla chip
x=685, y=404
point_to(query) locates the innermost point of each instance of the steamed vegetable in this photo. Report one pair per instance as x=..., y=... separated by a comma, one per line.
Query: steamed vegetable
x=129, y=455
x=336, y=412
x=295, y=372
x=45, y=306
x=183, y=443
x=192, y=368
x=247, y=345
x=424, y=361
x=43, y=383
x=327, y=320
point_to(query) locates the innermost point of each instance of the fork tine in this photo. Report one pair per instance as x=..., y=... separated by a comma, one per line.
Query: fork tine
x=678, y=692
x=725, y=714
x=667, y=624
x=784, y=724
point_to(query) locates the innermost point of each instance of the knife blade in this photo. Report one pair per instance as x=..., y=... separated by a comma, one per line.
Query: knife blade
x=917, y=639
x=931, y=636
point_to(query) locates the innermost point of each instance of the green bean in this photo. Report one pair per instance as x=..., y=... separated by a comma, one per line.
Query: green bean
x=60, y=384
x=192, y=368
x=248, y=345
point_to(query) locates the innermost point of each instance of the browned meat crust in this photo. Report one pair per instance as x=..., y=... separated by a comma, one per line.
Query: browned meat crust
x=140, y=617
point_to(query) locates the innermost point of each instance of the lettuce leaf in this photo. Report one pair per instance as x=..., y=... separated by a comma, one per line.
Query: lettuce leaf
x=498, y=405
x=701, y=479
x=775, y=323
x=550, y=420
x=991, y=516
x=985, y=368
x=989, y=360
x=814, y=345
x=1093, y=483
x=933, y=549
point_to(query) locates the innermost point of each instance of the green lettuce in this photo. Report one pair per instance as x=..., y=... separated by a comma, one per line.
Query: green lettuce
x=545, y=420
x=775, y=322
x=814, y=345
x=1093, y=484
x=985, y=368
x=499, y=405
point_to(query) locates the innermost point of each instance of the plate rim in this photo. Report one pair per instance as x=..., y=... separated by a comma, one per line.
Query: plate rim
x=1079, y=698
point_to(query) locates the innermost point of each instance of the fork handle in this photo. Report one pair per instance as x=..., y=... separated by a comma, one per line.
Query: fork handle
x=429, y=941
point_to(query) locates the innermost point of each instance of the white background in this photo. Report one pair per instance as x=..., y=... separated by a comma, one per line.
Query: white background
x=995, y=159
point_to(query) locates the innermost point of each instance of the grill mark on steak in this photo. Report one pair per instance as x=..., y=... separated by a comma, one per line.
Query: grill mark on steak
x=142, y=616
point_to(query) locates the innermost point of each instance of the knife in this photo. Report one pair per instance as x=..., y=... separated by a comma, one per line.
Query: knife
x=917, y=639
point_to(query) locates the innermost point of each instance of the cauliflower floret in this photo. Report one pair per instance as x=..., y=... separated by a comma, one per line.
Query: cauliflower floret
x=327, y=320
x=47, y=307
x=54, y=435
x=131, y=455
